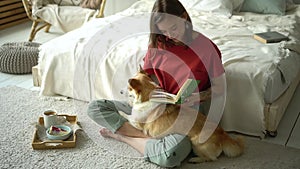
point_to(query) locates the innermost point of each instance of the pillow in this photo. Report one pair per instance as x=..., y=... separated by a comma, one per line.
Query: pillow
x=67, y=2
x=189, y=3
x=264, y=6
x=297, y=1
x=220, y=7
x=290, y=4
x=237, y=4
x=40, y=3
x=92, y=4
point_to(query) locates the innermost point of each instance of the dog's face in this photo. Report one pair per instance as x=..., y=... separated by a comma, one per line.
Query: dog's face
x=141, y=86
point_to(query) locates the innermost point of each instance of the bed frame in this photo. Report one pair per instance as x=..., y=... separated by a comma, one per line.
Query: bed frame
x=273, y=112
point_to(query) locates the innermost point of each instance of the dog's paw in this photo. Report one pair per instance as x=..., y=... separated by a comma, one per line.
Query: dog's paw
x=197, y=160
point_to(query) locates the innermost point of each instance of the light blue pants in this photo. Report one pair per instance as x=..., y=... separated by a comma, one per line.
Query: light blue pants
x=169, y=151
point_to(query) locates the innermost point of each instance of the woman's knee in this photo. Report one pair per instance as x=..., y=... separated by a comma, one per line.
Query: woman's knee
x=94, y=108
x=100, y=107
x=104, y=113
x=170, y=153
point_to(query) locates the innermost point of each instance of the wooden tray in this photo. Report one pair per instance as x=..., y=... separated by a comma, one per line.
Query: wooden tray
x=37, y=144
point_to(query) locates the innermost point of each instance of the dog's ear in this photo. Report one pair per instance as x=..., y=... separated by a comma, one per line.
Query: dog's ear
x=135, y=84
x=141, y=70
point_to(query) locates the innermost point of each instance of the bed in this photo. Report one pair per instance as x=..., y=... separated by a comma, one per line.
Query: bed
x=96, y=60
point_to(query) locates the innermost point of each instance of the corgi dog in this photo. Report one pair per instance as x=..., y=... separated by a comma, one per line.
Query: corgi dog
x=160, y=119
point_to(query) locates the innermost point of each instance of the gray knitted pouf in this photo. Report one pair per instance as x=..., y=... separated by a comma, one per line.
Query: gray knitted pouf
x=18, y=57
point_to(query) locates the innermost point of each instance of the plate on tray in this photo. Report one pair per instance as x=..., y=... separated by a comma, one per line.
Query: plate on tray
x=59, y=132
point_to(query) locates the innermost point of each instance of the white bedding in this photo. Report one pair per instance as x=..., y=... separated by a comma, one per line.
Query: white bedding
x=88, y=64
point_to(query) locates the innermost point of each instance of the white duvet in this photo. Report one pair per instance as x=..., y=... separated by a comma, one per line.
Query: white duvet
x=96, y=60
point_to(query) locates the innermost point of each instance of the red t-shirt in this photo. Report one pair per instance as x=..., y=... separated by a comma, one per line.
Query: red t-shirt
x=173, y=65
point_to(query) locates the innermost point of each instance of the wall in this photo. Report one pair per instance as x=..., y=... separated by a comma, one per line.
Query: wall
x=12, y=13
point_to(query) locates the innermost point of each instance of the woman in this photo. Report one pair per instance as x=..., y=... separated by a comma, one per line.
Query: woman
x=170, y=60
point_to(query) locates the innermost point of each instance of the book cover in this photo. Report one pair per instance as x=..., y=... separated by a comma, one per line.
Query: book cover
x=189, y=86
x=270, y=37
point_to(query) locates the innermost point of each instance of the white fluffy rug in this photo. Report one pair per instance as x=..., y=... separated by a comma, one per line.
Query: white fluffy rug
x=20, y=109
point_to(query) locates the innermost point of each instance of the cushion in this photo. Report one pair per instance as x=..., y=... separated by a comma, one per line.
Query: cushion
x=67, y=2
x=290, y=5
x=18, y=57
x=264, y=6
x=66, y=18
x=297, y=1
x=38, y=4
x=41, y=3
x=219, y=7
x=237, y=4
x=92, y=4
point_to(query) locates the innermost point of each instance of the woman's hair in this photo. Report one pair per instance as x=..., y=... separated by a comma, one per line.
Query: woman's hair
x=160, y=9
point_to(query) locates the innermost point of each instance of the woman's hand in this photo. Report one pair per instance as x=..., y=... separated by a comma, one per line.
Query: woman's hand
x=197, y=98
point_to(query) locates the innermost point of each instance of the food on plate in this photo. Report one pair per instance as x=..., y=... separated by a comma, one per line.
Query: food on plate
x=57, y=131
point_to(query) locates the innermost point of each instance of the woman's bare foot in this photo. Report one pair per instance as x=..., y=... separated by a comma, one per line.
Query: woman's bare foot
x=107, y=133
x=137, y=143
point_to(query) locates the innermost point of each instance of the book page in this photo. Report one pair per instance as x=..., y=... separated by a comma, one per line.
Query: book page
x=186, y=90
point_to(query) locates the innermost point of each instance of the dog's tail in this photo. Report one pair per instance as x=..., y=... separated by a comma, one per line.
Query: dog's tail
x=233, y=147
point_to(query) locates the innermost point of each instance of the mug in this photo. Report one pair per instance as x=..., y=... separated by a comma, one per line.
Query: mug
x=50, y=118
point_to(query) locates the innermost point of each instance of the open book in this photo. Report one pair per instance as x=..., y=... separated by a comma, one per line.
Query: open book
x=189, y=86
x=270, y=37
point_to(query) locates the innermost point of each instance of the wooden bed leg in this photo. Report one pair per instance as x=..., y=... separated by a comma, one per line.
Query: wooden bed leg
x=35, y=76
x=272, y=133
